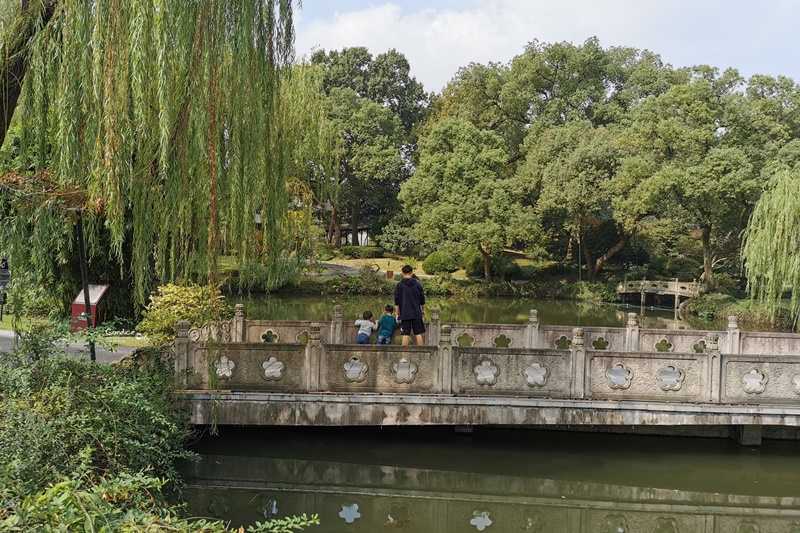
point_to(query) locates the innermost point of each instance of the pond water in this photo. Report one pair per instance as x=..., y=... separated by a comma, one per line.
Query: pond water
x=470, y=311
x=434, y=480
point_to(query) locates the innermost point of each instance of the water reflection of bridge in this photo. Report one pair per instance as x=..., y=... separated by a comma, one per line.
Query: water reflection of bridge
x=365, y=497
x=305, y=373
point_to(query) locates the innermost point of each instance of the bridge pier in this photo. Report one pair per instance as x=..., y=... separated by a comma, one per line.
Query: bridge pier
x=746, y=435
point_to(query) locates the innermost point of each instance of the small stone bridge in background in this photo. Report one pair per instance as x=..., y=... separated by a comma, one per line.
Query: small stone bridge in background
x=678, y=289
x=303, y=373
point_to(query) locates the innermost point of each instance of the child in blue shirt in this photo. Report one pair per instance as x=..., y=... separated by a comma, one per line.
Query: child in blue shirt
x=386, y=326
x=365, y=328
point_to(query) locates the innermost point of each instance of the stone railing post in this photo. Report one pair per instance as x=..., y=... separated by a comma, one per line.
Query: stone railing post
x=532, y=330
x=337, y=326
x=632, y=333
x=446, y=360
x=181, y=347
x=578, y=364
x=734, y=335
x=435, y=328
x=238, y=333
x=314, y=358
x=714, y=373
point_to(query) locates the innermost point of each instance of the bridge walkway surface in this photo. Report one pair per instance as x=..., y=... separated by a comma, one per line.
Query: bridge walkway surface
x=257, y=372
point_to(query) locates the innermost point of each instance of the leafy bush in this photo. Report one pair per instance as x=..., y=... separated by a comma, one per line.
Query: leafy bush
x=362, y=252
x=196, y=303
x=397, y=237
x=439, y=262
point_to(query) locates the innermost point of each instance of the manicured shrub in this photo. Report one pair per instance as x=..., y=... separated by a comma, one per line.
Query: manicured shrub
x=683, y=268
x=362, y=252
x=500, y=265
x=439, y=262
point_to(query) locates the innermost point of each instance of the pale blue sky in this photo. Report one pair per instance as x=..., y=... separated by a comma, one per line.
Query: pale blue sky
x=439, y=36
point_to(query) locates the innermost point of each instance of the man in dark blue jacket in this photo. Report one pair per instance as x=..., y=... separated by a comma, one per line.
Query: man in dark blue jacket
x=409, y=304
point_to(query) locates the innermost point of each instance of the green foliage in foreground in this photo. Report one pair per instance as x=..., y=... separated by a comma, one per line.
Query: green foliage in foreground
x=89, y=447
x=196, y=303
x=362, y=252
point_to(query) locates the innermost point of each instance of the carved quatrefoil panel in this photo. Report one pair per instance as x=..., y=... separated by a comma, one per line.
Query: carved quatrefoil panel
x=671, y=378
x=666, y=525
x=562, y=343
x=481, y=520
x=531, y=521
x=486, y=373
x=399, y=516
x=465, y=340
x=502, y=341
x=536, y=375
x=269, y=336
x=754, y=382
x=600, y=343
x=355, y=370
x=614, y=524
x=224, y=367
x=404, y=371
x=349, y=513
x=619, y=377
x=273, y=369
x=748, y=527
x=302, y=337
x=663, y=346
x=700, y=347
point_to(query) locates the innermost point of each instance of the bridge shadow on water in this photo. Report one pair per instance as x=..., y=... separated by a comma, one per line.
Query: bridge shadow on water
x=437, y=480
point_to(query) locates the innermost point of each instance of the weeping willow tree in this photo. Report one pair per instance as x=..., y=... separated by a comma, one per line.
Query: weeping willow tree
x=772, y=241
x=172, y=124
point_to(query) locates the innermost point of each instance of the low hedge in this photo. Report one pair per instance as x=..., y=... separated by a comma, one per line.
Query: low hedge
x=362, y=252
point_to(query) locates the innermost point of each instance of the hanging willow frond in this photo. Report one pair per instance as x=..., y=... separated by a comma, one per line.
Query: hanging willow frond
x=181, y=120
x=772, y=241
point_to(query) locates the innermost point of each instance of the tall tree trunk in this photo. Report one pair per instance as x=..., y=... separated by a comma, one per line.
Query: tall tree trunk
x=708, y=260
x=354, y=224
x=594, y=267
x=17, y=54
x=331, y=223
x=487, y=266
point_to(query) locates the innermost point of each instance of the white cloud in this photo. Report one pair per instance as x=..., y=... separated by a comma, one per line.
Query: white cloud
x=438, y=41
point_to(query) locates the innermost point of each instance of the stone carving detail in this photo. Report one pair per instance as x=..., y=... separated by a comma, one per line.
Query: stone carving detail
x=355, y=370
x=619, y=377
x=562, y=343
x=445, y=334
x=796, y=383
x=486, y=373
x=748, y=527
x=600, y=343
x=712, y=342
x=314, y=335
x=465, y=340
x=501, y=341
x=273, y=369
x=269, y=336
x=218, y=506
x=663, y=346
x=671, y=378
x=531, y=521
x=533, y=317
x=633, y=319
x=614, y=524
x=577, y=336
x=224, y=367
x=399, y=516
x=349, y=513
x=700, y=347
x=666, y=525
x=536, y=375
x=303, y=337
x=733, y=322
x=211, y=332
x=754, y=382
x=404, y=371
x=337, y=312
x=481, y=520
